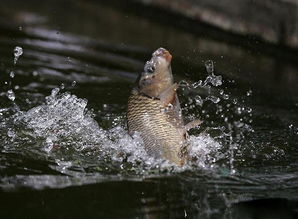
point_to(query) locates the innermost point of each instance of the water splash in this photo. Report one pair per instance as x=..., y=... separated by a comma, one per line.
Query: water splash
x=204, y=150
x=63, y=116
x=11, y=74
x=63, y=123
x=73, y=84
x=18, y=51
x=10, y=95
x=215, y=80
x=226, y=119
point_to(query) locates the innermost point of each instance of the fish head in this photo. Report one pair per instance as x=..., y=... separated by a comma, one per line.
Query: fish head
x=157, y=75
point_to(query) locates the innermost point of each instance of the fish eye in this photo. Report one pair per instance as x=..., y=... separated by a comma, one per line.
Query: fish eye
x=150, y=69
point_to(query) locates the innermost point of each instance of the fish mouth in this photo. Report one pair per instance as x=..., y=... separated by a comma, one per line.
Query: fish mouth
x=163, y=53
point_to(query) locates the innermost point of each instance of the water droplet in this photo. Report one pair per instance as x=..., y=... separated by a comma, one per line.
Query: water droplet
x=10, y=134
x=249, y=93
x=105, y=106
x=16, y=87
x=34, y=73
x=209, y=66
x=199, y=101
x=28, y=101
x=11, y=74
x=10, y=94
x=20, y=28
x=55, y=91
x=239, y=110
x=225, y=96
x=197, y=84
x=213, y=99
x=233, y=171
x=48, y=145
x=18, y=51
x=62, y=86
x=216, y=80
x=73, y=83
x=184, y=83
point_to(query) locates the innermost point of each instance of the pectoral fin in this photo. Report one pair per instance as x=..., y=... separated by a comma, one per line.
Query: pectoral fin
x=193, y=124
x=169, y=95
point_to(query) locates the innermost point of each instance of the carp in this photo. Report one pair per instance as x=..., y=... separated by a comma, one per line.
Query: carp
x=154, y=111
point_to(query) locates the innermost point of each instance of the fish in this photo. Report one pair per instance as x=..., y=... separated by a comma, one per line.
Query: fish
x=154, y=111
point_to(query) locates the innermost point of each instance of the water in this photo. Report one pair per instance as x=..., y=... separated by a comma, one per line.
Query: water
x=18, y=51
x=64, y=144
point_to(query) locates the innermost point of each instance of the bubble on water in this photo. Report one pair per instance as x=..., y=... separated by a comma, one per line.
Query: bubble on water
x=35, y=73
x=18, y=51
x=11, y=74
x=62, y=86
x=11, y=95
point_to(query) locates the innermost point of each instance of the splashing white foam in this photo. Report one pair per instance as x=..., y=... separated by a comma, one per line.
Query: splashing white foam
x=64, y=121
x=203, y=150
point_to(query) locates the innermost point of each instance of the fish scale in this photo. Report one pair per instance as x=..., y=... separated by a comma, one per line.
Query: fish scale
x=160, y=128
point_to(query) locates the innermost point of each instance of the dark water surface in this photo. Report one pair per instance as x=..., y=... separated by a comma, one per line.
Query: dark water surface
x=64, y=150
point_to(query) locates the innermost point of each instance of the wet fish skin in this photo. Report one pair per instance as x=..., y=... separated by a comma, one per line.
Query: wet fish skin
x=154, y=110
x=162, y=135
